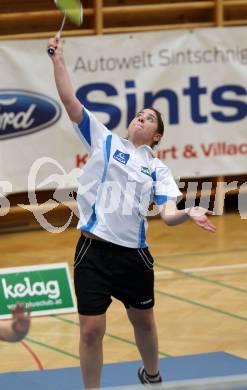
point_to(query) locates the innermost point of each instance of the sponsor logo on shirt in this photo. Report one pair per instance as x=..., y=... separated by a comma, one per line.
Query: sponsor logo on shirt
x=121, y=157
x=146, y=171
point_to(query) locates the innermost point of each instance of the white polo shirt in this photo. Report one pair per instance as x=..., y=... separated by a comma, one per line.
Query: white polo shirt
x=117, y=184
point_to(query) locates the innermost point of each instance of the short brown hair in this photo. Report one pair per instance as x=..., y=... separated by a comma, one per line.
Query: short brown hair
x=161, y=126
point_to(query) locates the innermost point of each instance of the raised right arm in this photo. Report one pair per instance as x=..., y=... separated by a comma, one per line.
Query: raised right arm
x=65, y=90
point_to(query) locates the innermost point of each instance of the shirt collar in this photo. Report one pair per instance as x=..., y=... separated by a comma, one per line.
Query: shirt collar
x=145, y=147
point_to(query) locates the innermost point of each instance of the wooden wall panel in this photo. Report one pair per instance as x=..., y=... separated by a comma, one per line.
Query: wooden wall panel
x=25, y=19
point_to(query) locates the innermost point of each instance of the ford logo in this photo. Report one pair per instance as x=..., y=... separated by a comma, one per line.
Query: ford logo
x=23, y=112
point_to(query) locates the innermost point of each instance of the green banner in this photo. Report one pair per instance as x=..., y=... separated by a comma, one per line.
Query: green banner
x=45, y=289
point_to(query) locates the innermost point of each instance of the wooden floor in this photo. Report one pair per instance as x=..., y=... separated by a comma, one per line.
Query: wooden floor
x=201, y=296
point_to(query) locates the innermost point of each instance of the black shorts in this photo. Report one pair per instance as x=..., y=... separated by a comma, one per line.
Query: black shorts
x=103, y=270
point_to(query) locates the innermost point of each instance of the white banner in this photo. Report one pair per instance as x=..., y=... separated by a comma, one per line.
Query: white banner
x=197, y=79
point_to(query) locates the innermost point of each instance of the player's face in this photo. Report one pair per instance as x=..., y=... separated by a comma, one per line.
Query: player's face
x=143, y=128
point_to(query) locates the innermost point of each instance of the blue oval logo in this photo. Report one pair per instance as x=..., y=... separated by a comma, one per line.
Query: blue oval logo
x=23, y=112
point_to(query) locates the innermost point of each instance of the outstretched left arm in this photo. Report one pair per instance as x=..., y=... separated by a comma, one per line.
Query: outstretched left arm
x=172, y=216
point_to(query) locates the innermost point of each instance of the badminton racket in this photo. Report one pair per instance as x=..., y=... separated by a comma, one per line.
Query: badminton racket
x=73, y=11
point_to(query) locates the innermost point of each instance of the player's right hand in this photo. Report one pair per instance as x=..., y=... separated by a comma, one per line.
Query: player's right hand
x=55, y=45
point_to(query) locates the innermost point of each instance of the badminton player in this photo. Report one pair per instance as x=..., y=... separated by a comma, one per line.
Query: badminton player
x=122, y=176
x=18, y=328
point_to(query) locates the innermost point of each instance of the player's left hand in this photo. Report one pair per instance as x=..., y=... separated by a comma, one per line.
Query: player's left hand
x=199, y=216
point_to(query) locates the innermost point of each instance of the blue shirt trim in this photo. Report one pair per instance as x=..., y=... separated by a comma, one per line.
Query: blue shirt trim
x=107, y=153
x=84, y=128
x=108, y=147
x=161, y=199
x=91, y=222
x=142, y=235
x=153, y=175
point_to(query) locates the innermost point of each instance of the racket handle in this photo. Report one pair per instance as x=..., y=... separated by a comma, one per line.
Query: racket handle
x=51, y=50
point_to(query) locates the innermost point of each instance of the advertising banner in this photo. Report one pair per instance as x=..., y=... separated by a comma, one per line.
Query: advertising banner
x=197, y=79
x=46, y=289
